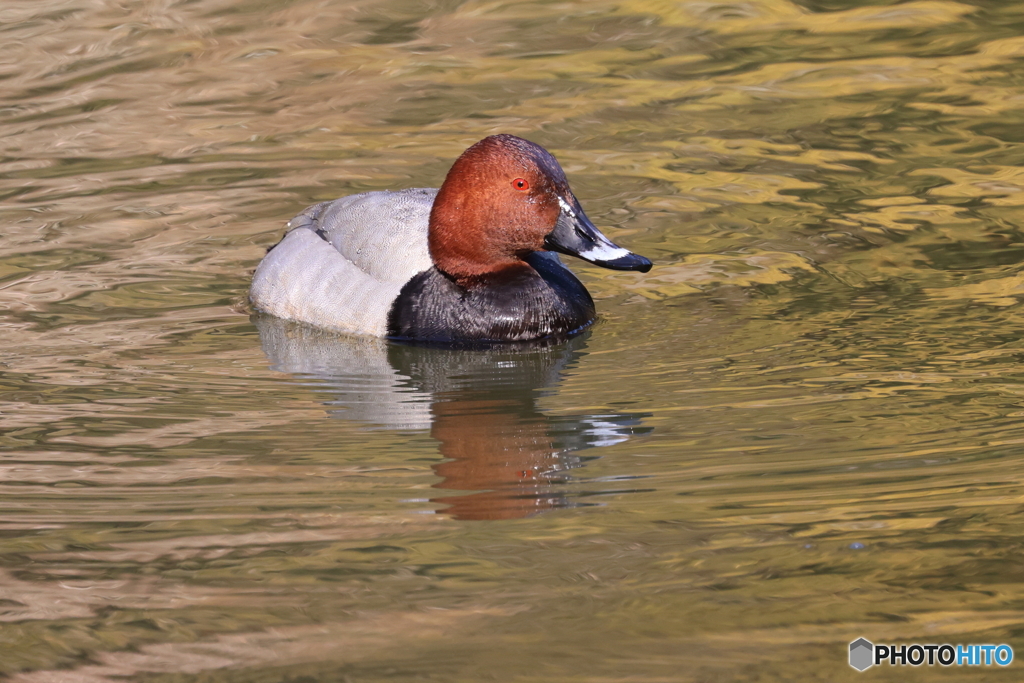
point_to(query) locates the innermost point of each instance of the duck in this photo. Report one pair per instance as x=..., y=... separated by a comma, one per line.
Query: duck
x=475, y=261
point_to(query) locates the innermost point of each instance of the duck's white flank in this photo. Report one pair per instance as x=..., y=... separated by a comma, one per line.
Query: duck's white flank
x=343, y=263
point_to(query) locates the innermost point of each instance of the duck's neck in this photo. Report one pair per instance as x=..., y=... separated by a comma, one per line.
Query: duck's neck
x=486, y=275
x=468, y=242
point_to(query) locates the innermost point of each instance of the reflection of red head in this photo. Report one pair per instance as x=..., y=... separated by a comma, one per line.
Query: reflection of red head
x=497, y=450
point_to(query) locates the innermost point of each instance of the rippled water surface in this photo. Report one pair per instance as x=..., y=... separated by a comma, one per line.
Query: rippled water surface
x=805, y=425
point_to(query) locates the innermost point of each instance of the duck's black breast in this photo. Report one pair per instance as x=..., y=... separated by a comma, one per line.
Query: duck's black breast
x=545, y=300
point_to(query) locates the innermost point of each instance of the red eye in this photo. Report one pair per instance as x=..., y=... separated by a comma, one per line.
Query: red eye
x=521, y=184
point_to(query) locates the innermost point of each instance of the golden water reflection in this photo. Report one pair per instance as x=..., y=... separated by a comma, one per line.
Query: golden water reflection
x=826, y=355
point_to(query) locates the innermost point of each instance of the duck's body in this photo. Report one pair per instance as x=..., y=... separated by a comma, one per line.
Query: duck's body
x=459, y=264
x=361, y=264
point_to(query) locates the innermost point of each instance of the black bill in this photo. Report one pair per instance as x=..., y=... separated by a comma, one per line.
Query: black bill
x=575, y=235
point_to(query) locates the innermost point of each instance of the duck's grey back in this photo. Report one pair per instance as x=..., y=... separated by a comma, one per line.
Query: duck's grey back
x=381, y=232
x=342, y=263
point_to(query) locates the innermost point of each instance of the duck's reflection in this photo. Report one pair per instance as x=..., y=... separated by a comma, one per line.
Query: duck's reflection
x=480, y=405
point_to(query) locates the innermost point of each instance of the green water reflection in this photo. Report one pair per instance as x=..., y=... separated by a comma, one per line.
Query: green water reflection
x=803, y=426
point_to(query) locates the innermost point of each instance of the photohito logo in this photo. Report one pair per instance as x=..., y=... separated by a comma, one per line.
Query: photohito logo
x=865, y=654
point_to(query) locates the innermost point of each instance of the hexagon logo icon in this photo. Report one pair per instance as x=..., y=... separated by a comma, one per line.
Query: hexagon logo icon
x=862, y=653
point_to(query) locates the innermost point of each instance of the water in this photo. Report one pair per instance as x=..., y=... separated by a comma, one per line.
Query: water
x=802, y=427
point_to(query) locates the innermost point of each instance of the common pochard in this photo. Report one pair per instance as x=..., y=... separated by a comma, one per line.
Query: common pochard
x=469, y=263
